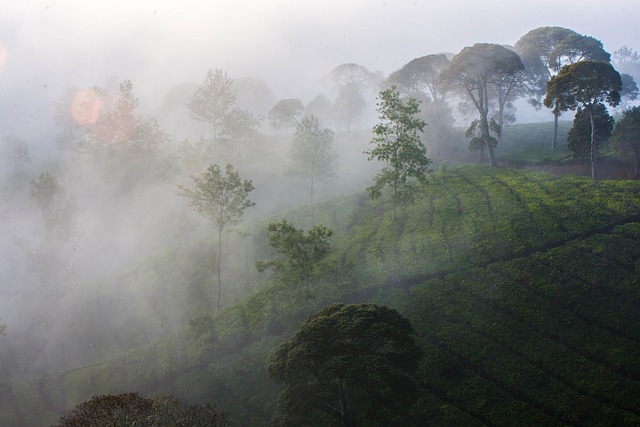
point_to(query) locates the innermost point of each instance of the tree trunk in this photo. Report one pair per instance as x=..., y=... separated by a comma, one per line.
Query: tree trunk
x=313, y=208
x=218, y=267
x=554, y=141
x=594, y=171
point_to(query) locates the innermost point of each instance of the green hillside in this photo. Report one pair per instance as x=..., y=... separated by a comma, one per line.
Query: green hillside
x=523, y=290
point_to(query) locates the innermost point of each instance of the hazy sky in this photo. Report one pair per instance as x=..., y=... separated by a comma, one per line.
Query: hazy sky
x=53, y=45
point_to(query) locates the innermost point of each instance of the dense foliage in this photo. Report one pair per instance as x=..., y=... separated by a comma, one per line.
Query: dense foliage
x=131, y=409
x=350, y=365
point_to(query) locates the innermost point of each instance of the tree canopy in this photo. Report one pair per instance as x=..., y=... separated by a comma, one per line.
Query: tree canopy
x=299, y=269
x=544, y=51
x=473, y=73
x=625, y=138
x=131, y=409
x=579, y=137
x=213, y=99
x=285, y=113
x=584, y=84
x=349, y=365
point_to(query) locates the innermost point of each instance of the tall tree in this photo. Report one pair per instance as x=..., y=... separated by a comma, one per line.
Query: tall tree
x=213, y=99
x=347, y=365
x=397, y=143
x=625, y=138
x=313, y=155
x=50, y=259
x=585, y=84
x=579, y=137
x=420, y=79
x=222, y=199
x=124, y=131
x=475, y=73
x=300, y=269
x=545, y=50
x=350, y=81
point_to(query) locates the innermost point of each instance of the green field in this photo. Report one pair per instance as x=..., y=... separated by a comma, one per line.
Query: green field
x=523, y=290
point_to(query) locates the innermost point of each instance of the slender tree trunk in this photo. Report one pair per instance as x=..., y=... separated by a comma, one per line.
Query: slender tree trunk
x=313, y=208
x=594, y=171
x=554, y=141
x=218, y=262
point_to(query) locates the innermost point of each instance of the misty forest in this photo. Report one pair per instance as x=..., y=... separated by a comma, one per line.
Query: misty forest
x=398, y=249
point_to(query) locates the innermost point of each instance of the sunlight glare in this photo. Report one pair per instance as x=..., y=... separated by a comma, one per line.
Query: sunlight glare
x=86, y=106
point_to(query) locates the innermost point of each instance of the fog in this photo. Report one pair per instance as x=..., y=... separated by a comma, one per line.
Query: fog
x=124, y=217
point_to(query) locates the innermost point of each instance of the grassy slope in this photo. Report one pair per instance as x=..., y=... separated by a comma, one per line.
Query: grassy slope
x=522, y=288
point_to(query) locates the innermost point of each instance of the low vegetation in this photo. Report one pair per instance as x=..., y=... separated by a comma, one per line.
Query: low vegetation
x=521, y=287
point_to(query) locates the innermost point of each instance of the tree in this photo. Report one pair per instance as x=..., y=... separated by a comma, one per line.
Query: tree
x=285, y=113
x=222, y=200
x=131, y=409
x=350, y=81
x=625, y=138
x=240, y=127
x=545, y=50
x=57, y=208
x=313, y=155
x=320, y=107
x=349, y=365
x=349, y=105
x=15, y=152
x=579, y=137
x=420, y=79
x=585, y=84
x=397, y=143
x=121, y=133
x=475, y=73
x=626, y=60
x=629, y=90
x=213, y=99
x=300, y=269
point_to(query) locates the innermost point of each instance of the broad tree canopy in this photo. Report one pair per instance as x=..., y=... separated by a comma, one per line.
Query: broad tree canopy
x=347, y=365
x=474, y=73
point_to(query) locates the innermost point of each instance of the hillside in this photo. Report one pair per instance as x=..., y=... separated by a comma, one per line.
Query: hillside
x=523, y=289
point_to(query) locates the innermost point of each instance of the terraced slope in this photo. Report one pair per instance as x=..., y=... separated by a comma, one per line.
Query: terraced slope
x=523, y=289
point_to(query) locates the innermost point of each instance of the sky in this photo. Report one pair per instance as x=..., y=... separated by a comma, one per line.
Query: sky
x=47, y=47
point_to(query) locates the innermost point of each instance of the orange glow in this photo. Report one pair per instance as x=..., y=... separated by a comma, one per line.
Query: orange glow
x=3, y=55
x=86, y=106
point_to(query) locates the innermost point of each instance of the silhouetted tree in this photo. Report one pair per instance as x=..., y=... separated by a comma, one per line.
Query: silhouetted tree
x=545, y=50
x=285, y=113
x=313, y=155
x=397, y=143
x=625, y=138
x=585, y=84
x=350, y=82
x=348, y=365
x=579, y=137
x=222, y=200
x=320, y=107
x=213, y=99
x=629, y=92
x=475, y=73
